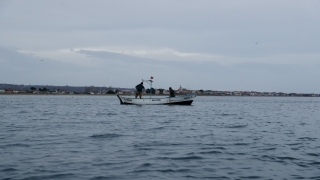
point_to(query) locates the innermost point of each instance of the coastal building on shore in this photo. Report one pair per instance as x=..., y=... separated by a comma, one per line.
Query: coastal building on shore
x=9, y=90
x=36, y=92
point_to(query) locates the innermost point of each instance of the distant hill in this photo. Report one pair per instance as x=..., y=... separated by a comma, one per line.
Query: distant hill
x=76, y=89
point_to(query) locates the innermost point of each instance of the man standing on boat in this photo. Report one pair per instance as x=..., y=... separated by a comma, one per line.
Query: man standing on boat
x=139, y=89
x=171, y=91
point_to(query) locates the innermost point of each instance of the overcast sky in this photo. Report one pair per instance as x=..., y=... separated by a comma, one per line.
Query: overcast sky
x=247, y=45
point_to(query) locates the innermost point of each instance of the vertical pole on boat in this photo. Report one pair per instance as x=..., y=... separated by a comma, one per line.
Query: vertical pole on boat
x=150, y=88
x=151, y=85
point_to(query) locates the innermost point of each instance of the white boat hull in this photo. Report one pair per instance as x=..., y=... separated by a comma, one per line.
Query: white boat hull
x=180, y=100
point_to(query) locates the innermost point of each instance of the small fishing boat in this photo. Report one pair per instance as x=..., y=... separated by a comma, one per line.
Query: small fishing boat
x=180, y=100
x=186, y=99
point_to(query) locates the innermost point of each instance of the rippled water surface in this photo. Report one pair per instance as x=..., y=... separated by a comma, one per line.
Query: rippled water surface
x=94, y=137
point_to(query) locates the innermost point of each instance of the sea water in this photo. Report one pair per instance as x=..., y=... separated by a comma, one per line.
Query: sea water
x=76, y=137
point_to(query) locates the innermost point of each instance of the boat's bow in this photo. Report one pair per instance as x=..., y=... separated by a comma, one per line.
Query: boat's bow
x=121, y=101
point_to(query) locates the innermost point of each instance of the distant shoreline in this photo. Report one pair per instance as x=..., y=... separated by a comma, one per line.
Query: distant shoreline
x=146, y=95
x=25, y=94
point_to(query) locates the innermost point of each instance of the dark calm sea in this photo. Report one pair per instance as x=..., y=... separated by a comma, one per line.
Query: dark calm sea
x=94, y=137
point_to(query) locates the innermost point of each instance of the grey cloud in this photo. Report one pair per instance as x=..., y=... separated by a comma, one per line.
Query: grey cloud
x=107, y=56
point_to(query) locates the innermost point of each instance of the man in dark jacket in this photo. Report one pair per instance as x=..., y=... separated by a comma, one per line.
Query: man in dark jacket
x=139, y=88
x=171, y=91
